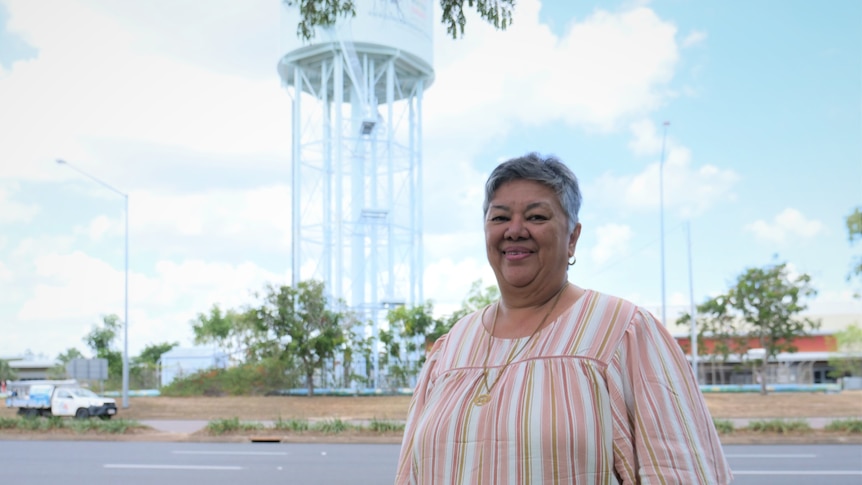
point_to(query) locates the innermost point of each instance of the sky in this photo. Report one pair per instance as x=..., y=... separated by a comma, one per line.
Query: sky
x=177, y=104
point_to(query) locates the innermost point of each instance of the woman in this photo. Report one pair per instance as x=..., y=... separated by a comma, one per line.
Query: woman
x=554, y=383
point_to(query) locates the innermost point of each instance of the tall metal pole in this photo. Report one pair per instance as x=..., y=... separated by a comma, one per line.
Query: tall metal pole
x=126, y=309
x=661, y=217
x=693, y=310
x=126, y=277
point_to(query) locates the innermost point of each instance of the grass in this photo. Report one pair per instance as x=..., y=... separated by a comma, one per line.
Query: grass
x=295, y=425
x=332, y=426
x=850, y=425
x=328, y=427
x=723, y=426
x=231, y=425
x=55, y=423
x=780, y=426
x=385, y=426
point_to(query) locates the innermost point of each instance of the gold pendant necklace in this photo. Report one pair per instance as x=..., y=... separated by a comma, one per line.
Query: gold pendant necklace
x=484, y=398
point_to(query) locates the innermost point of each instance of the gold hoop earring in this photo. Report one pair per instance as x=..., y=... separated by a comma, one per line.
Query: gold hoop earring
x=573, y=261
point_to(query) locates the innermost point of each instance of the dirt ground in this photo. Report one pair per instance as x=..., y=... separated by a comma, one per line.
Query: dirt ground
x=394, y=408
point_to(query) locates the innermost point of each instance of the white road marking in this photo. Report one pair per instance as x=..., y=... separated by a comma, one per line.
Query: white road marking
x=174, y=467
x=782, y=455
x=279, y=453
x=797, y=472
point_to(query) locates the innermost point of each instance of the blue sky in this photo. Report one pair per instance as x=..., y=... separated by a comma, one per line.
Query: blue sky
x=179, y=105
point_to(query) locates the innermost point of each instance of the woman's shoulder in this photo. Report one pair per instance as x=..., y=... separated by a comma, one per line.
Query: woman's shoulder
x=632, y=314
x=600, y=300
x=467, y=323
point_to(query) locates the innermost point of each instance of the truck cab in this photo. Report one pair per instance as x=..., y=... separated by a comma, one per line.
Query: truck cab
x=81, y=403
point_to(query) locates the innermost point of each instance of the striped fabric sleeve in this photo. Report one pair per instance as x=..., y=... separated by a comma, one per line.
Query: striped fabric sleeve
x=406, y=467
x=663, y=433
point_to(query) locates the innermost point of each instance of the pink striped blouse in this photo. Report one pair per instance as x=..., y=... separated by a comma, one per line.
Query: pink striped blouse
x=602, y=395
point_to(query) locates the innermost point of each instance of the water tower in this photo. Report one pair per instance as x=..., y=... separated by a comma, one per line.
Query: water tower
x=356, y=209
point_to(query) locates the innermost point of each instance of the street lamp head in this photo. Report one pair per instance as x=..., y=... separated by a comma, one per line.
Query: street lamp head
x=61, y=161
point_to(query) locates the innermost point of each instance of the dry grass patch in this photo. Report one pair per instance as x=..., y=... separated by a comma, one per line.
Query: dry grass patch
x=721, y=406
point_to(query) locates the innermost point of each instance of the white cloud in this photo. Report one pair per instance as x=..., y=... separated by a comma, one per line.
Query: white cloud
x=688, y=190
x=608, y=68
x=449, y=281
x=82, y=288
x=789, y=223
x=14, y=211
x=120, y=91
x=694, y=37
x=99, y=227
x=645, y=138
x=5, y=273
x=254, y=218
x=612, y=241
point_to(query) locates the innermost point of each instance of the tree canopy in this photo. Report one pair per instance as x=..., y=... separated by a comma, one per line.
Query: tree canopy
x=152, y=353
x=325, y=13
x=101, y=341
x=7, y=373
x=848, y=343
x=854, y=235
x=233, y=331
x=764, y=306
x=300, y=321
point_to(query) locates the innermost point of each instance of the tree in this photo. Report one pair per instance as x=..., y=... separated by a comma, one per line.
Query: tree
x=767, y=302
x=716, y=320
x=411, y=330
x=69, y=355
x=324, y=13
x=854, y=235
x=848, y=343
x=152, y=353
x=145, y=367
x=59, y=370
x=355, y=346
x=233, y=331
x=477, y=298
x=300, y=321
x=101, y=340
x=7, y=373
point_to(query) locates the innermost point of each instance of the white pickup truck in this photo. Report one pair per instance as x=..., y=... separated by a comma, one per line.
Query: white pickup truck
x=60, y=399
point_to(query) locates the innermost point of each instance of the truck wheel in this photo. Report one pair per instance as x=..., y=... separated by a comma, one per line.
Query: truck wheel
x=82, y=414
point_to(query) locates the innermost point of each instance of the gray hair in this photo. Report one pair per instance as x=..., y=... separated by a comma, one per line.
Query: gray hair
x=548, y=171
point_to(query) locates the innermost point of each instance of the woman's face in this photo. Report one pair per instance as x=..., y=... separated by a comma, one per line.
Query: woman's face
x=526, y=235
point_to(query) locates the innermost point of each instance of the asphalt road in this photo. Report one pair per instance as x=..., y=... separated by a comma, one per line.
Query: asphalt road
x=110, y=462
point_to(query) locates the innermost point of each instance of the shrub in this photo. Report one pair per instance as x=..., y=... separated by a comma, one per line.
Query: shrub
x=9, y=423
x=333, y=426
x=117, y=426
x=243, y=380
x=850, y=425
x=385, y=426
x=297, y=425
x=779, y=426
x=228, y=425
x=723, y=426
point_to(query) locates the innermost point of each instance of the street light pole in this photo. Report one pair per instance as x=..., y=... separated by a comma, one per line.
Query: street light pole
x=125, y=197
x=661, y=217
x=693, y=309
